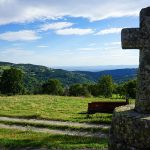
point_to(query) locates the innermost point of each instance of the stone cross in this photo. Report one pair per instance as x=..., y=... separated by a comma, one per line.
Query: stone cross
x=139, y=38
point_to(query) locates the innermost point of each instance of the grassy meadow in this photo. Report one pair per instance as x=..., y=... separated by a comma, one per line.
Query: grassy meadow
x=59, y=108
x=52, y=107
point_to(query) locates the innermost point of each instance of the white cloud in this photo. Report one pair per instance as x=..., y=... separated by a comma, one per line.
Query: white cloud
x=56, y=26
x=92, y=44
x=17, y=44
x=109, y=31
x=23, y=35
x=74, y=31
x=113, y=43
x=42, y=46
x=12, y=11
x=112, y=46
x=16, y=52
x=88, y=49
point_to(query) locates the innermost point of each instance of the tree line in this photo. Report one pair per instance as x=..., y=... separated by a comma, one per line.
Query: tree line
x=12, y=83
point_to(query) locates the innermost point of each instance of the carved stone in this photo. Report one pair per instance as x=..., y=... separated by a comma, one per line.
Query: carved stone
x=139, y=38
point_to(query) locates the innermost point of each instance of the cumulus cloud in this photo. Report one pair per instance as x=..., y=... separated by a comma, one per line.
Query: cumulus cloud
x=109, y=31
x=23, y=35
x=56, y=26
x=14, y=11
x=74, y=31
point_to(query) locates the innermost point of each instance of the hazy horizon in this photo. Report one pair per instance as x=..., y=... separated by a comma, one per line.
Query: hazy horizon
x=88, y=68
x=69, y=65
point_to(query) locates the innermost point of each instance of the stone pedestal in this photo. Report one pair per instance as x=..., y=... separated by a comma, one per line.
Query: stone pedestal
x=130, y=130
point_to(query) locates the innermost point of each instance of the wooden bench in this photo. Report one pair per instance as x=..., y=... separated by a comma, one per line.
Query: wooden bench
x=104, y=107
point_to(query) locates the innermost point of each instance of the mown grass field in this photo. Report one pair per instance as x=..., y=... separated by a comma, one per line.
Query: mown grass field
x=53, y=108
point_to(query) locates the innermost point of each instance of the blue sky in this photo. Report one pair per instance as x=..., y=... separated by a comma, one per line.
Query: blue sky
x=67, y=32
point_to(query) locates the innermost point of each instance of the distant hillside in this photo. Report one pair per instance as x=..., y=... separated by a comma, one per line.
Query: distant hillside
x=35, y=75
x=118, y=75
x=95, y=68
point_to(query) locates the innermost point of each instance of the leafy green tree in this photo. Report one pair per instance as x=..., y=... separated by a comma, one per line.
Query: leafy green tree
x=85, y=90
x=121, y=90
x=127, y=89
x=75, y=90
x=94, y=89
x=12, y=82
x=105, y=85
x=53, y=86
x=79, y=90
x=130, y=88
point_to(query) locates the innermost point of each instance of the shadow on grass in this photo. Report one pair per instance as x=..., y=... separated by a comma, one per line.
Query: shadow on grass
x=54, y=142
x=97, y=118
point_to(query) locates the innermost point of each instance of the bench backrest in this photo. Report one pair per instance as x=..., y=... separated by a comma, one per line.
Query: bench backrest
x=106, y=107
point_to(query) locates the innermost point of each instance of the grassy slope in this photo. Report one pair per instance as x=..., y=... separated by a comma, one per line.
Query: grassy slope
x=51, y=107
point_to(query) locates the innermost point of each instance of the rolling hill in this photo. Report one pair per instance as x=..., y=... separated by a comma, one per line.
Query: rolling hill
x=118, y=75
x=35, y=75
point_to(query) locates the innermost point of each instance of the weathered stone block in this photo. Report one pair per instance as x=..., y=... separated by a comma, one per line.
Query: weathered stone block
x=130, y=130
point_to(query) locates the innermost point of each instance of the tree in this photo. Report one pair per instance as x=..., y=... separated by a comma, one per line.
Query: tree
x=85, y=90
x=127, y=89
x=94, y=89
x=12, y=82
x=121, y=90
x=75, y=90
x=130, y=87
x=79, y=90
x=53, y=86
x=105, y=85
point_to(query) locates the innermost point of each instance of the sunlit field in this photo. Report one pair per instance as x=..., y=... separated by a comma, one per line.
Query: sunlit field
x=52, y=107
x=60, y=108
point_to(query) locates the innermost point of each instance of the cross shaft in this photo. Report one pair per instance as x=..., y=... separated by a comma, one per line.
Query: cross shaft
x=139, y=38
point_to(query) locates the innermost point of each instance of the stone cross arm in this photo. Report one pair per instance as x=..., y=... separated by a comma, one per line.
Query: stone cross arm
x=135, y=38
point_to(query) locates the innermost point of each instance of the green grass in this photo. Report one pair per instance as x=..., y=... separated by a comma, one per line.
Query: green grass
x=52, y=107
x=15, y=139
